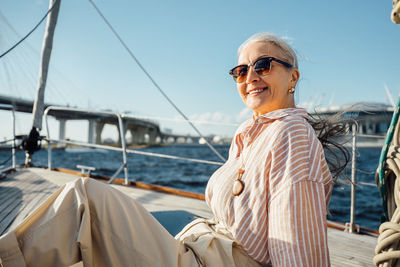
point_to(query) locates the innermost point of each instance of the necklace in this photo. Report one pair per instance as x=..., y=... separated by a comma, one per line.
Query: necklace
x=238, y=184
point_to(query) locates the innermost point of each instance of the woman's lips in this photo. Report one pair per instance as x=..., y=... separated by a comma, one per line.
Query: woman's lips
x=257, y=91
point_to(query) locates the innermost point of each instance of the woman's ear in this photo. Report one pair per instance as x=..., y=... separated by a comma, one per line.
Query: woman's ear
x=295, y=77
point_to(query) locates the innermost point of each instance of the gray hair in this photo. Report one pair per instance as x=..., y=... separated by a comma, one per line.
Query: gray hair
x=287, y=51
x=327, y=129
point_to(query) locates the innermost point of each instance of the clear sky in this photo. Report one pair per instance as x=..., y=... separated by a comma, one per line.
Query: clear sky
x=348, y=50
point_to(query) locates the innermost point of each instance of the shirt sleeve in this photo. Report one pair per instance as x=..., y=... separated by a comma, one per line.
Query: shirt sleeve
x=297, y=229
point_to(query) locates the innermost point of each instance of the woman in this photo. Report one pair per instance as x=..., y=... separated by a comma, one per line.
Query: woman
x=269, y=199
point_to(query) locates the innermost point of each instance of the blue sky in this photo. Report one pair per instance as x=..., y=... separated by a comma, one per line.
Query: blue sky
x=347, y=51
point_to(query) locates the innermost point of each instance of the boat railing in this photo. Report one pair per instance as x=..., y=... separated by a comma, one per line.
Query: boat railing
x=122, y=149
x=370, y=136
x=350, y=226
x=13, y=144
x=108, y=113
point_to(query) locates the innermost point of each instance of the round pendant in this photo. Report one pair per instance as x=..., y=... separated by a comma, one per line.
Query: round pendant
x=238, y=187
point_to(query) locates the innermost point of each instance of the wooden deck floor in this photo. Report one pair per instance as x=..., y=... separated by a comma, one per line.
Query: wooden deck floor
x=24, y=190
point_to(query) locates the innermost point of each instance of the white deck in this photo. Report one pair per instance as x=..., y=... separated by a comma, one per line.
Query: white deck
x=24, y=190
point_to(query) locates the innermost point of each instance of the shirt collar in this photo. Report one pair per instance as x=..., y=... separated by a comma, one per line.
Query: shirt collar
x=280, y=113
x=251, y=123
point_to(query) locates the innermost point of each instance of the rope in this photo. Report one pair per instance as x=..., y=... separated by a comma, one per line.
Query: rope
x=382, y=160
x=388, y=247
x=152, y=80
x=29, y=33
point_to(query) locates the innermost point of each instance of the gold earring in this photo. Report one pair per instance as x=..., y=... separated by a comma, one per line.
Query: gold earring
x=291, y=91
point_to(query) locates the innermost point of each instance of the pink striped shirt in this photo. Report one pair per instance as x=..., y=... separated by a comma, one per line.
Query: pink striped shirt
x=280, y=217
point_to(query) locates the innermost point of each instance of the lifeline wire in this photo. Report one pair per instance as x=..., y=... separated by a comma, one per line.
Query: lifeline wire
x=7, y=160
x=29, y=33
x=152, y=80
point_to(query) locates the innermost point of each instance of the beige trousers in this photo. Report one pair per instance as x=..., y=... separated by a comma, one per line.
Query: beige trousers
x=92, y=222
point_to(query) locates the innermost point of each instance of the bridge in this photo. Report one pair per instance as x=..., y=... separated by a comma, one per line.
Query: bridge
x=142, y=131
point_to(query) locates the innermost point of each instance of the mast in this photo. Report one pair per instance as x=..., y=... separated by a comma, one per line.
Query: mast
x=32, y=142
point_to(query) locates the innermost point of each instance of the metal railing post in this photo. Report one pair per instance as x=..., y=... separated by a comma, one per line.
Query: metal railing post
x=123, y=143
x=48, y=140
x=122, y=135
x=14, y=164
x=352, y=226
x=11, y=108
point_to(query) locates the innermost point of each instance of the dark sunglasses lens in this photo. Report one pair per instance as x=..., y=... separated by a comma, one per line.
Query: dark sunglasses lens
x=239, y=73
x=262, y=66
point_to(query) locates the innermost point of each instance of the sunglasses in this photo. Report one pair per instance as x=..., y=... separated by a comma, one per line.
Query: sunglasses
x=262, y=66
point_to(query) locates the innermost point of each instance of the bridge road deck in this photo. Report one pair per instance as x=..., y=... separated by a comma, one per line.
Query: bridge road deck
x=22, y=191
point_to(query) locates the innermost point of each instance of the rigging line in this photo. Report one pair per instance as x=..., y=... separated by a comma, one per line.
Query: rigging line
x=17, y=34
x=153, y=81
x=29, y=33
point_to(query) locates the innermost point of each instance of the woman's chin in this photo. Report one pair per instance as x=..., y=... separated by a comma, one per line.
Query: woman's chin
x=257, y=107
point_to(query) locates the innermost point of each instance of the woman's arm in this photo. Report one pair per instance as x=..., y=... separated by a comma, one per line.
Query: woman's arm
x=297, y=233
x=297, y=226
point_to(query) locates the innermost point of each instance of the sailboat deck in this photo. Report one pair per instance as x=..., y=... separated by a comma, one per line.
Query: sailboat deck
x=24, y=190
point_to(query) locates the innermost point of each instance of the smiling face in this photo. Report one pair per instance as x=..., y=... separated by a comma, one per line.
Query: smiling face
x=267, y=93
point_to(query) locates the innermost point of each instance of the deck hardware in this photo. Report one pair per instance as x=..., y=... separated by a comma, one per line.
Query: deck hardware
x=86, y=170
x=352, y=229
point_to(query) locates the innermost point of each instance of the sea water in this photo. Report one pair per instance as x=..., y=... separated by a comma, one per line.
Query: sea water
x=193, y=177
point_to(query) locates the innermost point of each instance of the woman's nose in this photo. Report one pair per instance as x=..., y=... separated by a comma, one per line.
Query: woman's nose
x=252, y=76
